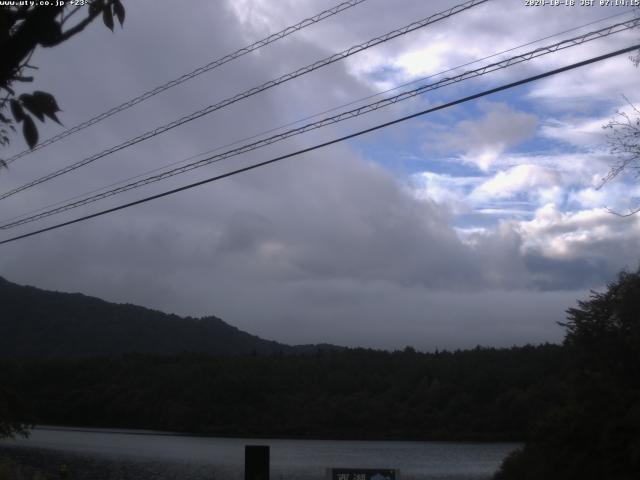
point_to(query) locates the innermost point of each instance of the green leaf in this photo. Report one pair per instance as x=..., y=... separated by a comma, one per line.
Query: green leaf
x=107, y=17
x=30, y=131
x=16, y=110
x=118, y=9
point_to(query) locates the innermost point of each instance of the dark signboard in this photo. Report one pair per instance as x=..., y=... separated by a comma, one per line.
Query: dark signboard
x=256, y=462
x=363, y=474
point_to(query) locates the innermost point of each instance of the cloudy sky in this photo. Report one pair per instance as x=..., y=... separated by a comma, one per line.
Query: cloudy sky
x=479, y=224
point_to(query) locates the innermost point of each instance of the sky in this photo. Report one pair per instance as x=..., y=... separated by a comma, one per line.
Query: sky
x=478, y=224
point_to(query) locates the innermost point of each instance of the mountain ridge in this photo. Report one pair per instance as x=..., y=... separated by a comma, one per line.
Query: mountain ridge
x=38, y=324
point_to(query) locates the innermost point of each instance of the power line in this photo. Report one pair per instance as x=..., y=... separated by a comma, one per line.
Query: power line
x=330, y=142
x=253, y=91
x=527, y=56
x=309, y=117
x=188, y=76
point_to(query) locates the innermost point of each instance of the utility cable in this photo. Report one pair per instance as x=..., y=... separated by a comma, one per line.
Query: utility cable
x=188, y=76
x=253, y=91
x=309, y=117
x=330, y=142
x=527, y=56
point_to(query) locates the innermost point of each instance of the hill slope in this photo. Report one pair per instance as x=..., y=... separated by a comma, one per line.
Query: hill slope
x=37, y=324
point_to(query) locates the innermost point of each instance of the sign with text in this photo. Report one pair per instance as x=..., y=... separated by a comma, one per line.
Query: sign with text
x=363, y=474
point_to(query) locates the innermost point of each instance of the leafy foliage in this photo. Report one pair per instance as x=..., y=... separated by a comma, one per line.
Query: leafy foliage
x=594, y=433
x=23, y=28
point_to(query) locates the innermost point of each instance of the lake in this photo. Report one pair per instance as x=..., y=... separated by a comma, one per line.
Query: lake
x=162, y=455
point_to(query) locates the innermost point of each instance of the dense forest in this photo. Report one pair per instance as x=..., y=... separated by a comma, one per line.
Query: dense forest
x=485, y=394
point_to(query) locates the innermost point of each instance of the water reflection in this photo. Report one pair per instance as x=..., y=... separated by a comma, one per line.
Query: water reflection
x=207, y=457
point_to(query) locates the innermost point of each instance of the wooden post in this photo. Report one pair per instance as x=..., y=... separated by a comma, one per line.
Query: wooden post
x=256, y=462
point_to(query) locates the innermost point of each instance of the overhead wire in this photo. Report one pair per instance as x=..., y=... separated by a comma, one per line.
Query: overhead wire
x=309, y=117
x=527, y=56
x=330, y=142
x=194, y=73
x=253, y=91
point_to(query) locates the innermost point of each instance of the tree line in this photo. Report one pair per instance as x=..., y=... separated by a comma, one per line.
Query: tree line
x=479, y=394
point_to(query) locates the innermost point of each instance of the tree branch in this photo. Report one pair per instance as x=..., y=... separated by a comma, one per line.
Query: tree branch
x=78, y=27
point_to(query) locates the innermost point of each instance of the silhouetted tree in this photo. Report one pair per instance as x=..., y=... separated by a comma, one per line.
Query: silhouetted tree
x=624, y=141
x=624, y=145
x=594, y=433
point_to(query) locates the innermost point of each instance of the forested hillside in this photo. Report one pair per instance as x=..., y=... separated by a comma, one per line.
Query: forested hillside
x=474, y=394
x=78, y=360
x=37, y=324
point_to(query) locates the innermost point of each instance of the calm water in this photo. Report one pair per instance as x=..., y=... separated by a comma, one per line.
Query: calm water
x=289, y=458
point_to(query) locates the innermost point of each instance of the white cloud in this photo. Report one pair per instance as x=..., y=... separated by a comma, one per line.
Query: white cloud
x=529, y=179
x=575, y=168
x=615, y=196
x=589, y=198
x=445, y=189
x=585, y=132
x=581, y=132
x=605, y=82
x=580, y=234
x=482, y=141
x=432, y=57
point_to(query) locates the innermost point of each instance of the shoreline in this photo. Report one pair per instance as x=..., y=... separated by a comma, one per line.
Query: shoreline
x=248, y=436
x=94, y=455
